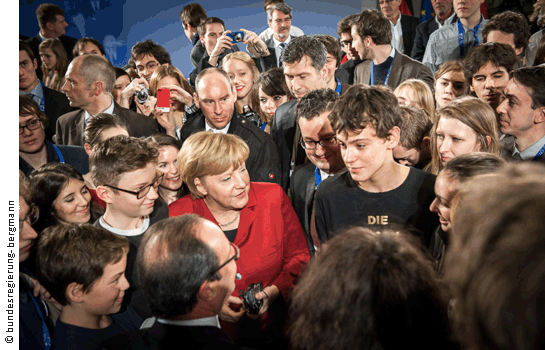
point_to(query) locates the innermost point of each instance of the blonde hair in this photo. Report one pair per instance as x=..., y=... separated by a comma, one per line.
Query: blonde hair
x=169, y=71
x=206, y=153
x=244, y=57
x=476, y=114
x=420, y=93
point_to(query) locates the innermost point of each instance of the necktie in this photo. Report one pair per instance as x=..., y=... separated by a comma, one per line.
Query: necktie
x=282, y=46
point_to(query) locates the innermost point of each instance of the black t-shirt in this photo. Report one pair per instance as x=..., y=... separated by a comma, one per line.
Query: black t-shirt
x=381, y=71
x=340, y=204
x=68, y=336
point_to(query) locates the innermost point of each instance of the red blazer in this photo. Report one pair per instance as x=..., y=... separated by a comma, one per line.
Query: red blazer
x=272, y=243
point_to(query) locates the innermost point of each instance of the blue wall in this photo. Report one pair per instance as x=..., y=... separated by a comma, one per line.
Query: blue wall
x=119, y=24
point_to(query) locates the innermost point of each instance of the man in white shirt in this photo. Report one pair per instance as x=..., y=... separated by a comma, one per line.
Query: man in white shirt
x=268, y=33
x=279, y=18
x=403, y=26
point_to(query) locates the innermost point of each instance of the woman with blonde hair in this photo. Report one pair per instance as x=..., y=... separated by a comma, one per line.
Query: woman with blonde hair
x=465, y=125
x=244, y=74
x=54, y=63
x=414, y=92
x=450, y=83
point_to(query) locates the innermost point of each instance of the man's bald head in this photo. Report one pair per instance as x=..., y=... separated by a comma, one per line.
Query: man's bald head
x=95, y=68
x=211, y=75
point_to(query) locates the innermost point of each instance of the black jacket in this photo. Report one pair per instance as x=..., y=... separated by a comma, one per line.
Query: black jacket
x=263, y=163
x=303, y=188
x=423, y=32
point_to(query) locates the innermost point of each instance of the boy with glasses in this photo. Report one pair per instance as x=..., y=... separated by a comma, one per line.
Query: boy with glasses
x=123, y=169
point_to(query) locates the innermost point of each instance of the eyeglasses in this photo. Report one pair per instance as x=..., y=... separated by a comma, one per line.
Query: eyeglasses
x=234, y=257
x=144, y=190
x=311, y=145
x=31, y=217
x=31, y=125
x=346, y=43
x=149, y=66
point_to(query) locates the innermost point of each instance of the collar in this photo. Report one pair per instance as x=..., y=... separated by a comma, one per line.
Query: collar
x=277, y=43
x=207, y=321
x=42, y=38
x=530, y=152
x=398, y=24
x=447, y=21
x=125, y=233
x=195, y=39
x=478, y=24
x=38, y=91
x=207, y=127
x=109, y=110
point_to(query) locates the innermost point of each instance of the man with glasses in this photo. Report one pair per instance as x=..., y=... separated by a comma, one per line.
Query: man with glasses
x=193, y=263
x=279, y=18
x=345, y=72
x=322, y=149
x=123, y=169
x=35, y=150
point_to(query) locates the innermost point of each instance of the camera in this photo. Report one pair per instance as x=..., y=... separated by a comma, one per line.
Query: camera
x=236, y=37
x=142, y=96
x=251, y=116
x=248, y=298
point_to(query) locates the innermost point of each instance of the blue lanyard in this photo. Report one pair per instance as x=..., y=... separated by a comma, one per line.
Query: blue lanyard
x=58, y=151
x=338, y=89
x=461, y=37
x=45, y=330
x=317, y=177
x=539, y=154
x=387, y=74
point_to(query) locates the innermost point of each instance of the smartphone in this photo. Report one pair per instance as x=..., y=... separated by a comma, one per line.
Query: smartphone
x=163, y=100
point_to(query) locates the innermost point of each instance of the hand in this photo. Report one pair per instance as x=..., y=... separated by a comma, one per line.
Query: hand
x=133, y=87
x=180, y=95
x=147, y=107
x=256, y=47
x=229, y=315
x=224, y=42
x=270, y=295
x=39, y=291
x=166, y=120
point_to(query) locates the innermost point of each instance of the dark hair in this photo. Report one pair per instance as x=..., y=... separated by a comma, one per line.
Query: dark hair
x=119, y=72
x=164, y=140
x=270, y=2
x=509, y=22
x=374, y=24
x=192, y=14
x=173, y=263
x=469, y=165
x=27, y=106
x=332, y=46
x=76, y=254
x=201, y=29
x=45, y=13
x=498, y=249
x=414, y=125
x=47, y=182
x=369, y=290
x=99, y=123
x=533, y=78
x=148, y=47
x=80, y=44
x=96, y=68
x=279, y=6
x=362, y=106
x=273, y=82
x=118, y=155
x=499, y=55
x=315, y=103
x=540, y=52
x=25, y=47
x=305, y=46
x=345, y=24
x=24, y=188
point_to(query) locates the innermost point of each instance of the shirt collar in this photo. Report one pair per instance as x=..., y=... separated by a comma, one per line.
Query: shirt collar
x=207, y=321
x=398, y=24
x=127, y=233
x=530, y=152
x=37, y=91
x=109, y=110
x=277, y=43
x=209, y=128
x=447, y=21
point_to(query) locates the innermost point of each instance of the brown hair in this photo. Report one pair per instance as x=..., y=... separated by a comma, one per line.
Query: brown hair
x=206, y=153
x=24, y=188
x=192, y=14
x=332, y=47
x=169, y=71
x=201, y=29
x=499, y=55
x=509, y=22
x=45, y=13
x=273, y=83
x=374, y=24
x=420, y=93
x=99, y=123
x=27, y=106
x=80, y=45
x=345, y=24
x=414, y=126
x=62, y=60
x=76, y=253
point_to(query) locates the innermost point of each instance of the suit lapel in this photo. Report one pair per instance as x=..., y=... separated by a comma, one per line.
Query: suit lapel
x=395, y=72
x=76, y=133
x=309, y=199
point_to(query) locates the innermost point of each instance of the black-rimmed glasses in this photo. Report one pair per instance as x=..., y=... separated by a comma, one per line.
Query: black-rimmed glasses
x=31, y=125
x=31, y=217
x=311, y=145
x=144, y=190
x=234, y=257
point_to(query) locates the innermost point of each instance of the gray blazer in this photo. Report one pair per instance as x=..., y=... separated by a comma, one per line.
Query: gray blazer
x=403, y=68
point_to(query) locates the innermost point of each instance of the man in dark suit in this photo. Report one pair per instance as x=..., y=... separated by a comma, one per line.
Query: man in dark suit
x=279, y=18
x=52, y=26
x=89, y=82
x=53, y=103
x=191, y=16
x=323, y=151
x=403, y=26
x=305, y=70
x=444, y=14
x=385, y=65
x=345, y=72
x=522, y=115
x=193, y=263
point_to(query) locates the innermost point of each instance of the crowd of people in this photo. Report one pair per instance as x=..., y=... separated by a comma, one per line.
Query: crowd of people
x=378, y=189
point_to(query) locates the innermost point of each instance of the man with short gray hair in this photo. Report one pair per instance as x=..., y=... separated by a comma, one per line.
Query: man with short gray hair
x=89, y=82
x=268, y=33
x=279, y=18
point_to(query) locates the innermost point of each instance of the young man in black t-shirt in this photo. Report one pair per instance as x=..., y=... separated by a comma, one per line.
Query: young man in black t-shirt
x=375, y=191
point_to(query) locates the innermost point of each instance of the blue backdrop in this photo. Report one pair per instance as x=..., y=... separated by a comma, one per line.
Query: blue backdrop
x=119, y=24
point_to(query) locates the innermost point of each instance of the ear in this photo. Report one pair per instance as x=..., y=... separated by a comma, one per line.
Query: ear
x=104, y=193
x=471, y=89
x=196, y=100
x=425, y=144
x=488, y=140
x=393, y=139
x=540, y=115
x=35, y=64
x=325, y=72
x=74, y=293
x=200, y=187
x=50, y=25
x=207, y=291
x=518, y=51
x=99, y=88
x=87, y=148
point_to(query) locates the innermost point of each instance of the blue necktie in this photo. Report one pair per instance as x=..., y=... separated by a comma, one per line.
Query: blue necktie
x=282, y=46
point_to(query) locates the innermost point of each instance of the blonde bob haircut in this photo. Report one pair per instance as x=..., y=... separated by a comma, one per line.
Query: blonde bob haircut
x=420, y=94
x=206, y=153
x=476, y=114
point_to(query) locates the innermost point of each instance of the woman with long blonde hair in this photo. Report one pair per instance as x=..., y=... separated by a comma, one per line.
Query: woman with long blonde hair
x=244, y=74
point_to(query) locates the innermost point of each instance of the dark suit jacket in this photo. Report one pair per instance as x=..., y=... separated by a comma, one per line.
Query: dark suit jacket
x=507, y=146
x=408, y=27
x=163, y=336
x=70, y=127
x=345, y=72
x=423, y=32
x=67, y=42
x=56, y=104
x=403, y=68
x=286, y=136
x=302, y=188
